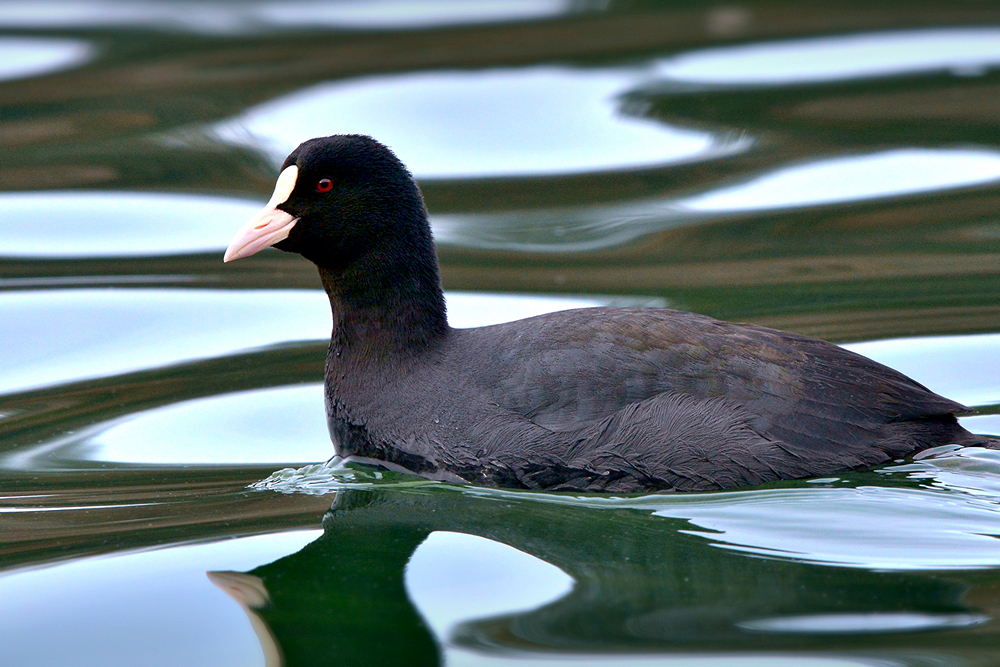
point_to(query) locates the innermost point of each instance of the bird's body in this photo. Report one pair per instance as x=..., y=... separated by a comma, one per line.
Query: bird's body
x=605, y=399
x=630, y=399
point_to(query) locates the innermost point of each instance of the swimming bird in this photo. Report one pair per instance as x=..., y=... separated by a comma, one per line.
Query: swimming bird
x=594, y=399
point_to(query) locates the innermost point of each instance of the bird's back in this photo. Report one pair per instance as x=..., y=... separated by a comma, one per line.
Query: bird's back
x=667, y=398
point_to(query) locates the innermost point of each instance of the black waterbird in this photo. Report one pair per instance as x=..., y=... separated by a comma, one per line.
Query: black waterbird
x=597, y=399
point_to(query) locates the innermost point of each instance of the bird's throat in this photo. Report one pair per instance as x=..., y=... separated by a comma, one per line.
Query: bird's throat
x=376, y=318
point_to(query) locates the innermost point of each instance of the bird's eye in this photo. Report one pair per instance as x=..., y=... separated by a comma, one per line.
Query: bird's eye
x=324, y=185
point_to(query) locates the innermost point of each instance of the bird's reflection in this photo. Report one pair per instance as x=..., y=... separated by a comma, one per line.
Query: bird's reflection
x=641, y=586
x=251, y=594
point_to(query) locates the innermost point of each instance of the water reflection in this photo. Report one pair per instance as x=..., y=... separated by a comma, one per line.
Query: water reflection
x=810, y=525
x=137, y=414
x=527, y=121
x=864, y=623
x=469, y=309
x=960, y=367
x=971, y=472
x=151, y=608
x=962, y=51
x=24, y=57
x=403, y=14
x=452, y=577
x=118, y=224
x=855, y=178
x=589, y=228
x=516, y=658
x=91, y=333
x=833, y=180
x=638, y=587
x=241, y=17
x=196, y=16
x=474, y=576
x=232, y=429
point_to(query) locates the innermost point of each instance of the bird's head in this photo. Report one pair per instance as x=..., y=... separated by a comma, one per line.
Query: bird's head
x=336, y=199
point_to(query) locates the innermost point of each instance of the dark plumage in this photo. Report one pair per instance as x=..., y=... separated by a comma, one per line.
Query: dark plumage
x=606, y=399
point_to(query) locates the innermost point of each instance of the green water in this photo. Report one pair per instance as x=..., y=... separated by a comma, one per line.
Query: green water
x=831, y=169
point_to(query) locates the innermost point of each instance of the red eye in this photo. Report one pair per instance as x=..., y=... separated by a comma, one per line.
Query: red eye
x=324, y=185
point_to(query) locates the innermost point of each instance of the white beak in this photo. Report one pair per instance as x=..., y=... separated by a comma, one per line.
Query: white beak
x=270, y=225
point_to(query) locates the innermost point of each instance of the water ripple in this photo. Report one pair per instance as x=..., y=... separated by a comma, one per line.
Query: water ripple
x=964, y=51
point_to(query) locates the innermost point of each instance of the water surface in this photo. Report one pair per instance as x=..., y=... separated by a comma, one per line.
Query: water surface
x=164, y=492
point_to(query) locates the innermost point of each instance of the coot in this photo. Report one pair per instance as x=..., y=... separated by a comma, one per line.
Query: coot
x=596, y=399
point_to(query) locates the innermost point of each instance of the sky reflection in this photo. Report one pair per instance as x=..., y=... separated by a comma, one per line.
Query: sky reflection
x=864, y=623
x=59, y=336
x=406, y=14
x=500, y=122
x=903, y=529
x=118, y=224
x=232, y=17
x=560, y=229
x=855, y=178
x=958, y=367
x=153, y=608
x=896, y=173
x=24, y=57
x=267, y=426
x=454, y=578
x=962, y=51
x=460, y=658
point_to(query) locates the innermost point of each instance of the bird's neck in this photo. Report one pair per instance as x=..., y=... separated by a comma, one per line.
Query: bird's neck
x=385, y=309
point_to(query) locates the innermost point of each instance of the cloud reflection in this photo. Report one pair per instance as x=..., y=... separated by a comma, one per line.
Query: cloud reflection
x=958, y=367
x=228, y=17
x=59, y=336
x=395, y=14
x=152, y=607
x=855, y=178
x=275, y=426
x=500, y=122
x=525, y=658
x=24, y=57
x=962, y=51
x=560, y=229
x=455, y=577
x=904, y=529
x=118, y=224
x=834, y=180
x=869, y=623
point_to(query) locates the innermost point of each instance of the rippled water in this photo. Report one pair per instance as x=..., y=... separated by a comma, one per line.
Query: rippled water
x=832, y=170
